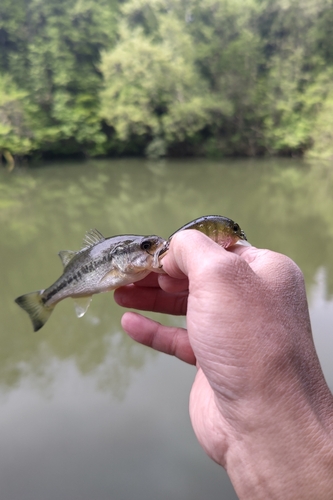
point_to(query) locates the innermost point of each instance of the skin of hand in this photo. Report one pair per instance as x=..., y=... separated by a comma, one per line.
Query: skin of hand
x=259, y=404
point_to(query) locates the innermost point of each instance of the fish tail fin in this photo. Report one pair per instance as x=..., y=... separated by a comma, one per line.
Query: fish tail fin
x=32, y=303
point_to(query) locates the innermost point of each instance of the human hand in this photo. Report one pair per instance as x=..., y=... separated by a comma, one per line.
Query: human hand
x=259, y=403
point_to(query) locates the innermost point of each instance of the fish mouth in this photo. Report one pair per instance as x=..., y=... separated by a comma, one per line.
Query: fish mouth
x=164, y=249
x=157, y=254
x=159, y=250
x=243, y=235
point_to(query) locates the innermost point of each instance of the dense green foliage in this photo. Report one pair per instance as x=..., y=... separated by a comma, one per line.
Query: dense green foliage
x=156, y=77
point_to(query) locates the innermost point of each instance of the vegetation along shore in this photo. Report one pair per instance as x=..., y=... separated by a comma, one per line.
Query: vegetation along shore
x=166, y=78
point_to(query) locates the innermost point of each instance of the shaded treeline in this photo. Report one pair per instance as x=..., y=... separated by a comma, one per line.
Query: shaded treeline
x=166, y=77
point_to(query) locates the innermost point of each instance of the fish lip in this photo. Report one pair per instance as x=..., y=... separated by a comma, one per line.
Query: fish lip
x=158, y=251
x=164, y=249
x=156, y=256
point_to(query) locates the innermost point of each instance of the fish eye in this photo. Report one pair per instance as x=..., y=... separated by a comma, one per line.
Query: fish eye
x=236, y=227
x=146, y=245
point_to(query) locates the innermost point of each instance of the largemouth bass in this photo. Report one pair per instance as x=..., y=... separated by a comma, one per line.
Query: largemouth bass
x=222, y=230
x=102, y=264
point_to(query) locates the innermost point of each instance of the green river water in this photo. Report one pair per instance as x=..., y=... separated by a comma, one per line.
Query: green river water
x=87, y=414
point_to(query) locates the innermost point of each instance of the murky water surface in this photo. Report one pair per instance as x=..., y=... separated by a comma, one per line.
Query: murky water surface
x=87, y=414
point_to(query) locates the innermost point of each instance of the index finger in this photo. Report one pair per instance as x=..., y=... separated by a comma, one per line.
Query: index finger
x=192, y=253
x=149, y=281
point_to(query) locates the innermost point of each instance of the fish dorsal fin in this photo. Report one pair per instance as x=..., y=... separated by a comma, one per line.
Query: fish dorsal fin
x=66, y=256
x=92, y=237
x=81, y=305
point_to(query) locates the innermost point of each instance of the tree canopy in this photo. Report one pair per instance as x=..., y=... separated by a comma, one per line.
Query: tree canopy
x=166, y=77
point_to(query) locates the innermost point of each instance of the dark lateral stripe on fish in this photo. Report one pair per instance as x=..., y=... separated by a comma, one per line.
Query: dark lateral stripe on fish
x=85, y=269
x=55, y=290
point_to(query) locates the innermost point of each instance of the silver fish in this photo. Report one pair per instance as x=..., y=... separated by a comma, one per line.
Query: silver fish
x=103, y=264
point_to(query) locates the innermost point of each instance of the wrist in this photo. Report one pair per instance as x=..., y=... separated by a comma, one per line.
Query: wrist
x=283, y=453
x=274, y=472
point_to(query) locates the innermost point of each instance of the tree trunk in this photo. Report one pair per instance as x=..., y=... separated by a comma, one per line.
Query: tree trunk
x=9, y=159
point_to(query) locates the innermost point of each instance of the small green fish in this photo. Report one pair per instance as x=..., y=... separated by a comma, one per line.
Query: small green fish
x=222, y=230
x=103, y=264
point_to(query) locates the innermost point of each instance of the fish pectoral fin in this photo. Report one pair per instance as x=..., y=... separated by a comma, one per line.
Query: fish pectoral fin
x=81, y=305
x=66, y=256
x=113, y=276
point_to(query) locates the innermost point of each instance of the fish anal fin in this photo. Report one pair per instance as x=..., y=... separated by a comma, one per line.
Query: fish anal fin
x=81, y=305
x=33, y=304
x=66, y=256
x=92, y=237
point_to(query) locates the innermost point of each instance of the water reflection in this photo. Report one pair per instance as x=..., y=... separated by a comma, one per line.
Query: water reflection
x=281, y=204
x=322, y=322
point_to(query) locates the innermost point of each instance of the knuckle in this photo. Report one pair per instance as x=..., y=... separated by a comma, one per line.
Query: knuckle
x=289, y=271
x=223, y=267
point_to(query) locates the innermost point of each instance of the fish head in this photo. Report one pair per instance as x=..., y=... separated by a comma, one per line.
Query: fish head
x=222, y=230
x=235, y=232
x=139, y=254
x=225, y=232
x=152, y=246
